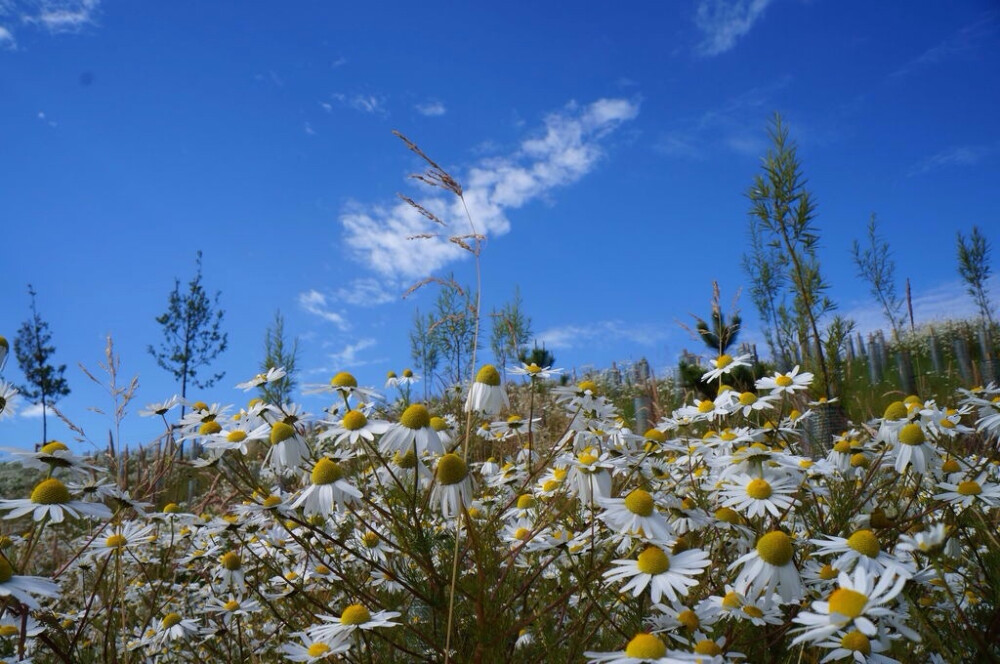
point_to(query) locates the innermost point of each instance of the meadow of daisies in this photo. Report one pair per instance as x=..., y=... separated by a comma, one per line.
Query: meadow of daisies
x=521, y=520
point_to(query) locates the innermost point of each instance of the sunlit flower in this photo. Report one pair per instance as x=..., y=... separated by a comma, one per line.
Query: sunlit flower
x=8, y=395
x=533, y=371
x=967, y=492
x=51, y=499
x=273, y=374
x=21, y=588
x=635, y=514
x=756, y=496
x=664, y=573
x=314, y=650
x=724, y=364
x=790, y=382
x=769, y=568
x=858, y=600
x=454, y=487
x=413, y=430
x=351, y=619
x=643, y=648
x=328, y=488
x=487, y=394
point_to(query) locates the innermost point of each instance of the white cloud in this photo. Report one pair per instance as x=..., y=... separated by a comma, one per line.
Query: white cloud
x=964, y=43
x=315, y=303
x=962, y=155
x=431, y=109
x=33, y=411
x=64, y=15
x=6, y=38
x=366, y=292
x=363, y=103
x=946, y=301
x=607, y=332
x=308, y=128
x=348, y=356
x=567, y=148
x=724, y=22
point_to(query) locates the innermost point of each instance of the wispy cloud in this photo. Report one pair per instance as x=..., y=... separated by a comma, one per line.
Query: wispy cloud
x=608, y=332
x=53, y=16
x=961, y=155
x=34, y=411
x=363, y=103
x=366, y=292
x=735, y=125
x=347, y=357
x=567, y=148
x=965, y=42
x=724, y=22
x=945, y=301
x=316, y=303
x=431, y=109
x=308, y=128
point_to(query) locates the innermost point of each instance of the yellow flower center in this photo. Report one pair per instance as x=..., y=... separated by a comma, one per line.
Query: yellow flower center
x=759, y=489
x=390, y=374
x=170, y=620
x=354, y=420
x=645, y=646
x=281, y=432
x=723, y=361
x=865, y=543
x=343, y=379
x=969, y=488
x=326, y=472
x=842, y=446
x=272, y=501
x=415, y=417
x=6, y=571
x=656, y=435
x=525, y=501
x=405, y=461
x=748, y=399
x=439, y=423
x=731, y=600
x=783, y=381
x=488, y=375
x=54, y=446
x=653, y=561
x=231, y=605
x=199, y=405
x=236, y=436
x=407, y=373
x=753, y=611
x=322, y=570
x=707, y=647
x=639, y=502
x=355, y=614
x=8, y=630
x=895, y=411
x=231, y=561
x=706, y=406
x=828, y=572
x=451, y=469
x=317, y=649
x=587, y=386
x=550, y=485
x=847, y=602
x=689, y=619
x=775, y=548
x=856, y=642
x=210, y=428
x=859, y=460
x=50, y=492
x=523, y=534
x=116, y=541
x=586, y=458
x=728, y=515
x=369, y=539
x=911, y=434
x=946, y=424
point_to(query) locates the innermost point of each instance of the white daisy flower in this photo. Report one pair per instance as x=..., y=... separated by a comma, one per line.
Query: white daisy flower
x=353, y=426
x=161, y=408
x=635, y=514
x=21, y=588
x=8, y=395
x=328, y=488
x=487, y=394
x=273, y=374
x=724, y=364
x=453, y=490
x=665, y=574
x=913, y=449
x=863, y=549
x=858, y=647
x=790, y=382
x=288, y=450
x=643, y=648
x=314, y=650
x=756, y=496
x=967, y=492
x=413, y=429
x=50, y=498
x=769, y=568
x=856, y=602
x=129, y=536
x=533, y=371
x=351, y=619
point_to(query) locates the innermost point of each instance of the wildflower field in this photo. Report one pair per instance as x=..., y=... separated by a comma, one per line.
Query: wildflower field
x=525, y=521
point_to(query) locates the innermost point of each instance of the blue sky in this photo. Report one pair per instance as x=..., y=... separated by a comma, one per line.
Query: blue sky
x=605, y=152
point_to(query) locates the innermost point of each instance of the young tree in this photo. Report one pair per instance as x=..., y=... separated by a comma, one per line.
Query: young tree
x=785, y=212
x=511, y=331
x=974, y=267
x=278, y=355
x=423, y=350
x=192, y=334
x=875, y=265
x=33, y=349
x=454, y=329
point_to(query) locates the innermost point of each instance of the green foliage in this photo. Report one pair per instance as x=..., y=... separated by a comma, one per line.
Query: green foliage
x=974, y=267
x=537, y=356
x=45, y=382
x=875, y=266
x=192, y=333
x=425, y=354
x=453, y=330
x=511, y=331
x=784, y=213
x=277, y=354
